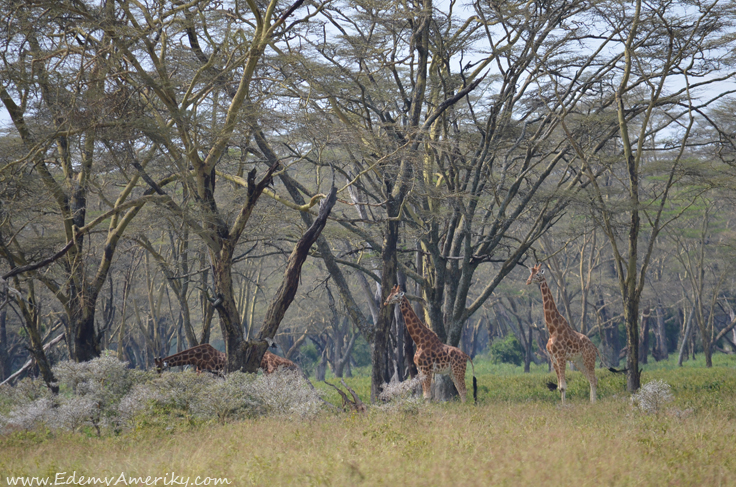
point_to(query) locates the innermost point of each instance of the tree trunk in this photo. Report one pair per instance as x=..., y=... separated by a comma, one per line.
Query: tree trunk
x=224, y=303
x=644, y=336
x=528, y=351
x=84, y=345
x=685, y=337
x=5, y=363
x=707, y=345
x=253, y=350
x=325, y=252
x=381, y=373
x=399, y=334
x=32, y=319
x=321, y=371
x=631, y=317
x=661, y=335
x=443, y=389
x=608, y=331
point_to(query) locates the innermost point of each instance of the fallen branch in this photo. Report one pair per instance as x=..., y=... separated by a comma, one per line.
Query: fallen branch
x=356, y=404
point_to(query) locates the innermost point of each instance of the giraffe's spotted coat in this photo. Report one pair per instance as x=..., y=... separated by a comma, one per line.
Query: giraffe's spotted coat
x=432, y=356
x=207, y=357
x=565, y=343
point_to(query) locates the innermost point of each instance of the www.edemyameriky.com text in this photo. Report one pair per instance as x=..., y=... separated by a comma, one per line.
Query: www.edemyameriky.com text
x=65, y=478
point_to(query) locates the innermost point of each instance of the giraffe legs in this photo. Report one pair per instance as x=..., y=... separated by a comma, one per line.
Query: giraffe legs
x=457, y=374
x=557, y=357
x=427, y=383
x=559, y=364
x=586, y=364
x=426, y=370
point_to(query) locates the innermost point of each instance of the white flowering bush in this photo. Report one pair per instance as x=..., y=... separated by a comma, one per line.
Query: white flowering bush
x=25, y=392
x=402, y=396
x=652, y=397
x=105, y=394
x=29, y=416
x=286, y=392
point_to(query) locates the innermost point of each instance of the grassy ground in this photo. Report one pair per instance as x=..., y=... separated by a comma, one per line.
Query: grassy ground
x=517, y=435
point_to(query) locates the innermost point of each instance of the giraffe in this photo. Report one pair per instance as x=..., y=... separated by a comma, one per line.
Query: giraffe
x=203, y=357
x=433, y=356
x=565, y=343
x=270, y=362
x=207, y=357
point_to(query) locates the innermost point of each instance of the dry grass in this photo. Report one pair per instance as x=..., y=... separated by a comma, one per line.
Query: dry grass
x=499, y=442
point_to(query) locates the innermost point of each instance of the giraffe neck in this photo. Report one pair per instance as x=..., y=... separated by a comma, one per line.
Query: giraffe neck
x=419, y=332
x=181, y=358
x=554, y=320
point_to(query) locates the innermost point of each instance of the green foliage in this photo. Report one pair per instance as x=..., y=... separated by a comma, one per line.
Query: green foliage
x=361, y=352
x=507, y=351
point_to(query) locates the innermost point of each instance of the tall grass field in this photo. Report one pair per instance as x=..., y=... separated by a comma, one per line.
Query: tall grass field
x=517, y=434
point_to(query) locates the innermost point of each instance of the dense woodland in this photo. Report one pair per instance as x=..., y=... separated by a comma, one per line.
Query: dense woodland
x=182, y=172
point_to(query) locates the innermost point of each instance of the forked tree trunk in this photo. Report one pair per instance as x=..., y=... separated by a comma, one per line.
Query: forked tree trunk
x=253, y=350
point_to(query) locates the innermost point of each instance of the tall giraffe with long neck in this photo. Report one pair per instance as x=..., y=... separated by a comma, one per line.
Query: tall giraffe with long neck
x=433, y=356
x=565, y=343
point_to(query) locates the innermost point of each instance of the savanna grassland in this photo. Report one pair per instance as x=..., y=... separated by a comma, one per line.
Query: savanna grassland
x=518, y=434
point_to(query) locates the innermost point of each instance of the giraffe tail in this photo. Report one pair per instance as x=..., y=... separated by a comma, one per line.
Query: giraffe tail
x=475, y=382
x=615, y=371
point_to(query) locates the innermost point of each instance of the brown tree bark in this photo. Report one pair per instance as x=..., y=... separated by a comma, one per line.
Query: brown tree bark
x=661, y=335
x=250, y=353
x=4, y=349
x=380, y=373
x=646, y=319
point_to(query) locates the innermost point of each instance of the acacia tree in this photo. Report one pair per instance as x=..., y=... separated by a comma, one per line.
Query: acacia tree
x=703, y=251
x=661, y=43
x=465, y=159
x=73, y=114
x=197, y=95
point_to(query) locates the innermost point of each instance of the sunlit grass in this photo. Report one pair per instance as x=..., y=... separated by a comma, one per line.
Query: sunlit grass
x=517, y=435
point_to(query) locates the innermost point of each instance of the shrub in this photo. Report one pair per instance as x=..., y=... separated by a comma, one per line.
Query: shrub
x=652, y=396
x=507, y=350
x=402, y=396
x=104, y=393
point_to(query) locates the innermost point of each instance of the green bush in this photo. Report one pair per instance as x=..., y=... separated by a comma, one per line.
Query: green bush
x=361, y=352
x=507, y=351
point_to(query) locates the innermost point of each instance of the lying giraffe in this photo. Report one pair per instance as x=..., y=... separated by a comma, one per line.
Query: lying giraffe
x=206, y=357
x=433, y=356
x=565, y=343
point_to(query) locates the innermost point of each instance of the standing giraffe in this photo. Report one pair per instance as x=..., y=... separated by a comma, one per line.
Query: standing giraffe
x=207, y=357
x=433, y=356
x=565, y=343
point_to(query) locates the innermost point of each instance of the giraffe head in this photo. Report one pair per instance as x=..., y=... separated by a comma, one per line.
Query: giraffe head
x=536, y=275
x=395, y=296
x=161, y=365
